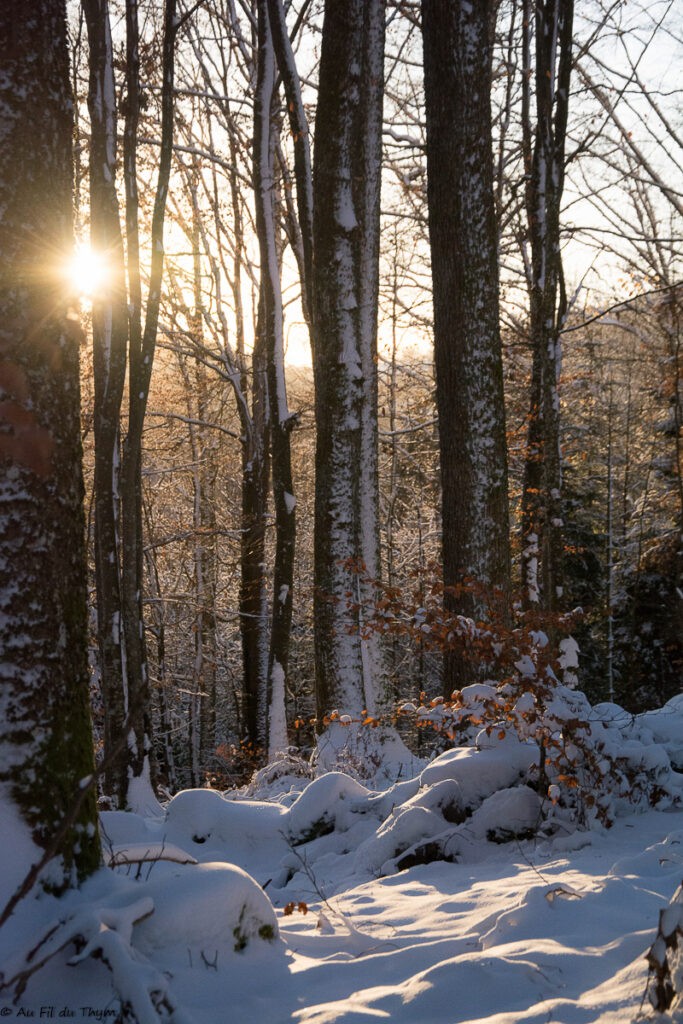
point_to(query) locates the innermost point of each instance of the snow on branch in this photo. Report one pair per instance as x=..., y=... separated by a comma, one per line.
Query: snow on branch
x=105, y=933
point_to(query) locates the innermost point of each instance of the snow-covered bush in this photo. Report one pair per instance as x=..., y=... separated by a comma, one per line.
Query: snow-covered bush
x=665, y=958
x=589, y=760
x=282, y=778
x=325, y=805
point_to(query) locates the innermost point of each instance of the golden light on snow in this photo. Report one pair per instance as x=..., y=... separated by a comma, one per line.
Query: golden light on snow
x=87, y=272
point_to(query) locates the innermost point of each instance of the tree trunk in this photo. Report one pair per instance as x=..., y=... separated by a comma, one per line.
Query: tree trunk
x=45, y=738
x=467, y=348
x=346, y=189
x=542, y=543
x=141, y=359
x=110, y=341
x=253, y=574
x=281, y=420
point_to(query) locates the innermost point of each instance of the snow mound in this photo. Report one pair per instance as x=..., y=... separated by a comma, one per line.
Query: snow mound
x=205, y=905
x=402, y=830
x=513, y=813
x=326, y=804
x=666, y=728
x=205, y=814
x=480, y=771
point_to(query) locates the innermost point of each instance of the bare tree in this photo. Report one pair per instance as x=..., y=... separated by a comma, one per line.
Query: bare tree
x=110, y=348
x=118, y=332
x=266, y=131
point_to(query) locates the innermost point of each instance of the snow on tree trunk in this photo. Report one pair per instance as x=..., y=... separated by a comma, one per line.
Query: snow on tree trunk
x=298, y=123
x=117, y=322
x=45, y=735
x=467, y=348
x=202, y=718
x=347, y=178
x=281, y=421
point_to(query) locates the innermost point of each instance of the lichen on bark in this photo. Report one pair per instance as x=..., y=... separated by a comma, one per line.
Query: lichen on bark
x=46, y=749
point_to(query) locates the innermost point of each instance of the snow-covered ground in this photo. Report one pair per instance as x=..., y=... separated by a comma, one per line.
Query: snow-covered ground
x=552, y=928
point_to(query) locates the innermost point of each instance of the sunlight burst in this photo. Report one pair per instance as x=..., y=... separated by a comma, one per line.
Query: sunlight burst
x=88, y=272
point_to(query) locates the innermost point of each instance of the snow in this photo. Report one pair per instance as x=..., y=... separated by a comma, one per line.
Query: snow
x=212, y=904
x=358, y=751
x=141, y=798
x=277, y=719
x=290, y=501
x=19, y=851
x=295, y=902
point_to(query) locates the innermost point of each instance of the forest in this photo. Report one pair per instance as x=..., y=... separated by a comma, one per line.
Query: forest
x=560, y=466
x=341, y=469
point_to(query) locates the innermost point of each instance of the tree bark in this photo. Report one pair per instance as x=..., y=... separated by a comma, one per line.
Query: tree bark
x=346, y=194
x=467, y=348
x=110, y=342
x=542, y=542
x=281, y=420
x=45, y=737
x=141, y=359
x=253, y=572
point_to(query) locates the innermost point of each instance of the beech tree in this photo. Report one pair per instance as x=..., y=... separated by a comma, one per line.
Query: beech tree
x=458, y=42
x=46, y=749
x=346, y=195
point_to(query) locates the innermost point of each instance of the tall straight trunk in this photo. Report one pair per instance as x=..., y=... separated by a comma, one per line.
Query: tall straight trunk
x=202, y=715
x=166, y=761
x=253, y=572
x=141, y=358
x=544, y=147
x=467, y=348
x=255, y=485
x=206, y=654
x=609, y=536
x=110, y=341
x=203, y=706
x=281, y=420
x=346, y=194
x=206, y=578
x=46, y=746
x=251, y=397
